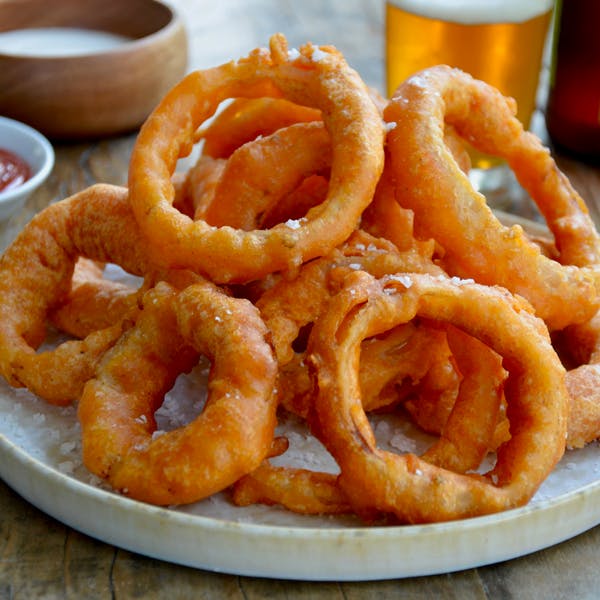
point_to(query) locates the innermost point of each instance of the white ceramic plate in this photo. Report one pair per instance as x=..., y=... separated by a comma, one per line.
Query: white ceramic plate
x=40, y=459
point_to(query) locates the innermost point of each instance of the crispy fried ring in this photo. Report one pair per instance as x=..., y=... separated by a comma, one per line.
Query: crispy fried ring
x=245, y=119
x=580, y=346
x=408, y=361
x=93, y=302
x=461, y=385
x=311, y=192
x=231, y=436
x=196, y=192
x=384, y=217
x=290, y=305
x=258, y=174
x=465, y=436
x=407, y=486
x=35, y=274
x=317, y=77
x=468, y=433
x=447, y=208
x=299, y=490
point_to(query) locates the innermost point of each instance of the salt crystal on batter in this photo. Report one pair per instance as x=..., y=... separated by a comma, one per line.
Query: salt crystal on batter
x=405, y=280
x=459, y=281
x=293, y=223
x=318, y=55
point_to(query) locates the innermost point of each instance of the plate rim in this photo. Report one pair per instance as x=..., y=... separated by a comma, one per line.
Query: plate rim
x=360, y=554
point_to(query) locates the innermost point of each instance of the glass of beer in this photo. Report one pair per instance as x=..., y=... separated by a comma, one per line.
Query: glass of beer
x=498, y=41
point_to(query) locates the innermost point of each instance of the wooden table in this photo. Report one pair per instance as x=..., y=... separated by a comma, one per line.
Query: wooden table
x=42, y=558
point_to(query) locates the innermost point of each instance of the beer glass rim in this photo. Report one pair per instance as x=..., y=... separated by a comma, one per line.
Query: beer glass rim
x=475, y=11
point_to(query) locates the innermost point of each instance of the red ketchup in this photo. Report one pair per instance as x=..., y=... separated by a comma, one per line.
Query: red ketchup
x=14, y=171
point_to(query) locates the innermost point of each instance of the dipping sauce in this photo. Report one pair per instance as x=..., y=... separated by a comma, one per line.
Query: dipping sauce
x=58, y=41
x=14, y=171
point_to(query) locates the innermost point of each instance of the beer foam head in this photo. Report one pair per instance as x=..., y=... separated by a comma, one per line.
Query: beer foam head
x=470, y=12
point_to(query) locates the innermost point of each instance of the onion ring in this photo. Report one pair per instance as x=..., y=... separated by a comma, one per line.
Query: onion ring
x=258, y=174
x=291, y=305
x=406, y=486
x=93, y=302
x=317, y=77
x=468, y=433
x=245, y=119
x=579, y=346
x=311, y=192
x=197, y=191
x=385, y=218
x=231, y=436
x=299, y=490
x=465, y=437
x=448, y=209
x=35, y=274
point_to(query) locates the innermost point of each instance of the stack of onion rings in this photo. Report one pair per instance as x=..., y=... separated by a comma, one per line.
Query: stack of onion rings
x=311, y=259
x=409, y=487
x=563, y=284
x=475, y=243
x=315, y=77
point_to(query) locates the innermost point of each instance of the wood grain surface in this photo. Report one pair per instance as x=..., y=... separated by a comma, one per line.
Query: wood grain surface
x=42, y=558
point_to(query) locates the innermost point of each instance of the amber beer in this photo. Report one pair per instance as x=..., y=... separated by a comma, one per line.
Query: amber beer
x=498, y=41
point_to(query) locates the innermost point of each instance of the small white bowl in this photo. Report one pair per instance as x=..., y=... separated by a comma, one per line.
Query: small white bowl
x=35, y=150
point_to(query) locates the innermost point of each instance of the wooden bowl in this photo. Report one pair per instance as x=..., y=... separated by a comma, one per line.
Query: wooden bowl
x=87, y=93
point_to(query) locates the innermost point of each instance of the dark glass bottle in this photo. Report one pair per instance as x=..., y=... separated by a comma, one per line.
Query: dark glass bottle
x=573, y=110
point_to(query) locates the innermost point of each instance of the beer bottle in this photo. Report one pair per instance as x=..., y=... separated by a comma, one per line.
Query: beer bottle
x=573, y=109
